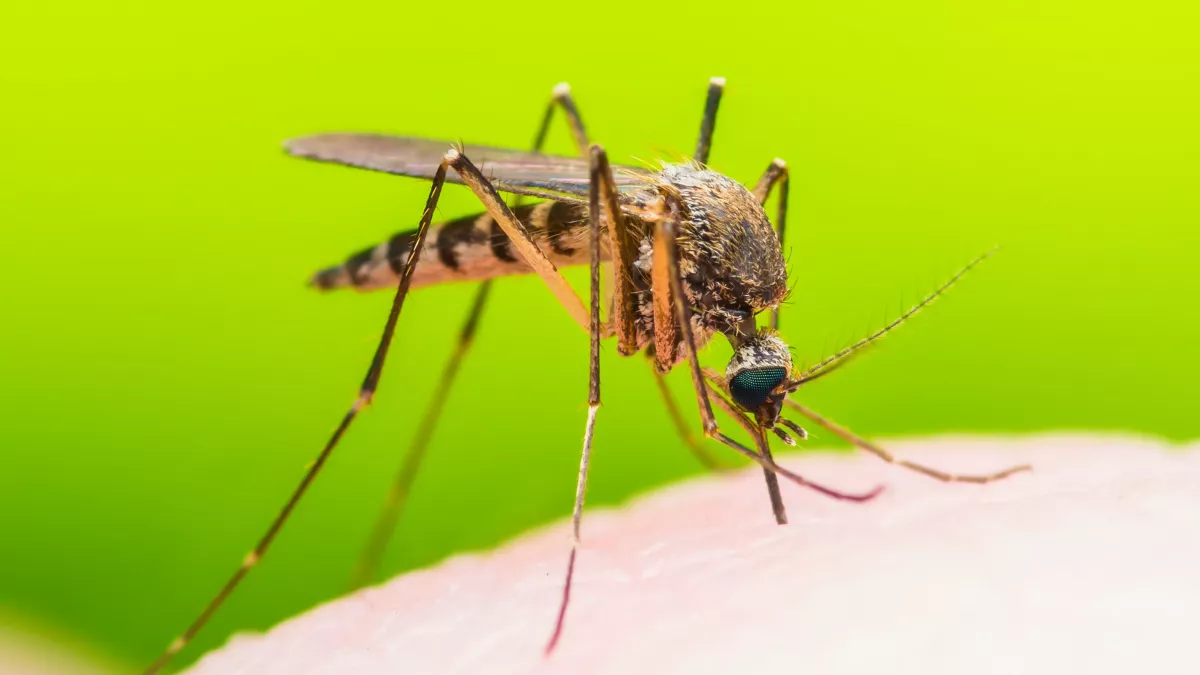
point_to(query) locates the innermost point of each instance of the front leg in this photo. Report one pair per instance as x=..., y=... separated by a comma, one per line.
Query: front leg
x=665, y=250
x=669, y=331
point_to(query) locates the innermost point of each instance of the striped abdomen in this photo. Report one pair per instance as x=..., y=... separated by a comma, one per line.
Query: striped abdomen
x=469, y=248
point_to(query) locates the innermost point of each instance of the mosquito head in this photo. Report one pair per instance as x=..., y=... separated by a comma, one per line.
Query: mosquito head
x=759, y=374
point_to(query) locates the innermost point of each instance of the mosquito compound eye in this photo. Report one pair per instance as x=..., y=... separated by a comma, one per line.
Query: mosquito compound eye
x=751, y=386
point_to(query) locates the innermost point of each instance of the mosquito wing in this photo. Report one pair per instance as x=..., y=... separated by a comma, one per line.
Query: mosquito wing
x=520, y=172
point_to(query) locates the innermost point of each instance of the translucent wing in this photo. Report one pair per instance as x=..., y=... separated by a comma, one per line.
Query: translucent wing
x=519, y=172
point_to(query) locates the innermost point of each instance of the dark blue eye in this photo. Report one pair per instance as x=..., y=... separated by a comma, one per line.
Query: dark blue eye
x=751, y=387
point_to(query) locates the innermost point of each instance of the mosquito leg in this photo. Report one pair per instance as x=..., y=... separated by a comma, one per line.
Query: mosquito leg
x=385, y=523
x=700, y=452
x=760, y=442
x=727, y=405
x=667, y=323
x=850, y=436
x=561, y=98
x=599, y=165
x=777, y=172
x=623, y=250
x=718, y=387
x=666, y=332
x=667, y=339
x=365, y=393
x=664, y=249
x=716, y=86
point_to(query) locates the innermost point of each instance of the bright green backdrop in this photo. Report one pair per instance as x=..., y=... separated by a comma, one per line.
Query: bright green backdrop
x=165, y=375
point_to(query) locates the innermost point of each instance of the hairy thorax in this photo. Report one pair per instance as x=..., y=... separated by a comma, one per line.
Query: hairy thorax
x=729, y=255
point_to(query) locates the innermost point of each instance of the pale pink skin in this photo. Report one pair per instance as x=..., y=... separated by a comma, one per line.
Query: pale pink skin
x=1091, y=564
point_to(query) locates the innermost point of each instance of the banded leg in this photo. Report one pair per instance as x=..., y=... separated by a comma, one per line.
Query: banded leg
x=708, y=123
x=776, y=173
x=664, y=249
x=847, y=435
x=366, y=392
x=601, y=190
x=385, y=524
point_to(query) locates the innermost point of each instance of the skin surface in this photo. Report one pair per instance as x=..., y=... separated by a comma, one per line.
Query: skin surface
x=1089, y=564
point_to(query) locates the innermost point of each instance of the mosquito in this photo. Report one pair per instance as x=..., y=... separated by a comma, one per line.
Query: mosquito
x=692, y=255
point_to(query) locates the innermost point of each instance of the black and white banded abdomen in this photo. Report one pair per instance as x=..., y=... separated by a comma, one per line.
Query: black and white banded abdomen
x=467, y=249
x=475, y=248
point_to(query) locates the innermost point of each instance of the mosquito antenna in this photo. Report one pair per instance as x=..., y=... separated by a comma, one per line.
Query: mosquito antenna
x=810, y=374
x=815, y=370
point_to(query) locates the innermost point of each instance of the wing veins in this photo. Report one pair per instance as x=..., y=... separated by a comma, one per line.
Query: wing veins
x=554, y=177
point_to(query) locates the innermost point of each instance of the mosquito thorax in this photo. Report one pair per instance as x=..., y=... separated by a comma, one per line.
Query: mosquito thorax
x=729, y=252
x=757, y=376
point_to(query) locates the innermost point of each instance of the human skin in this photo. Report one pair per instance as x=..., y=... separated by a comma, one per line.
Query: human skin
x=1089, y=564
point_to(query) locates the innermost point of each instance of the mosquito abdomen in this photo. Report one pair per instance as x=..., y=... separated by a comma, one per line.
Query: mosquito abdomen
x=466, y=249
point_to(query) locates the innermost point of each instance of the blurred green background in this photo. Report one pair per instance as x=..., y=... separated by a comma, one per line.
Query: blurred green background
x=165, y=375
